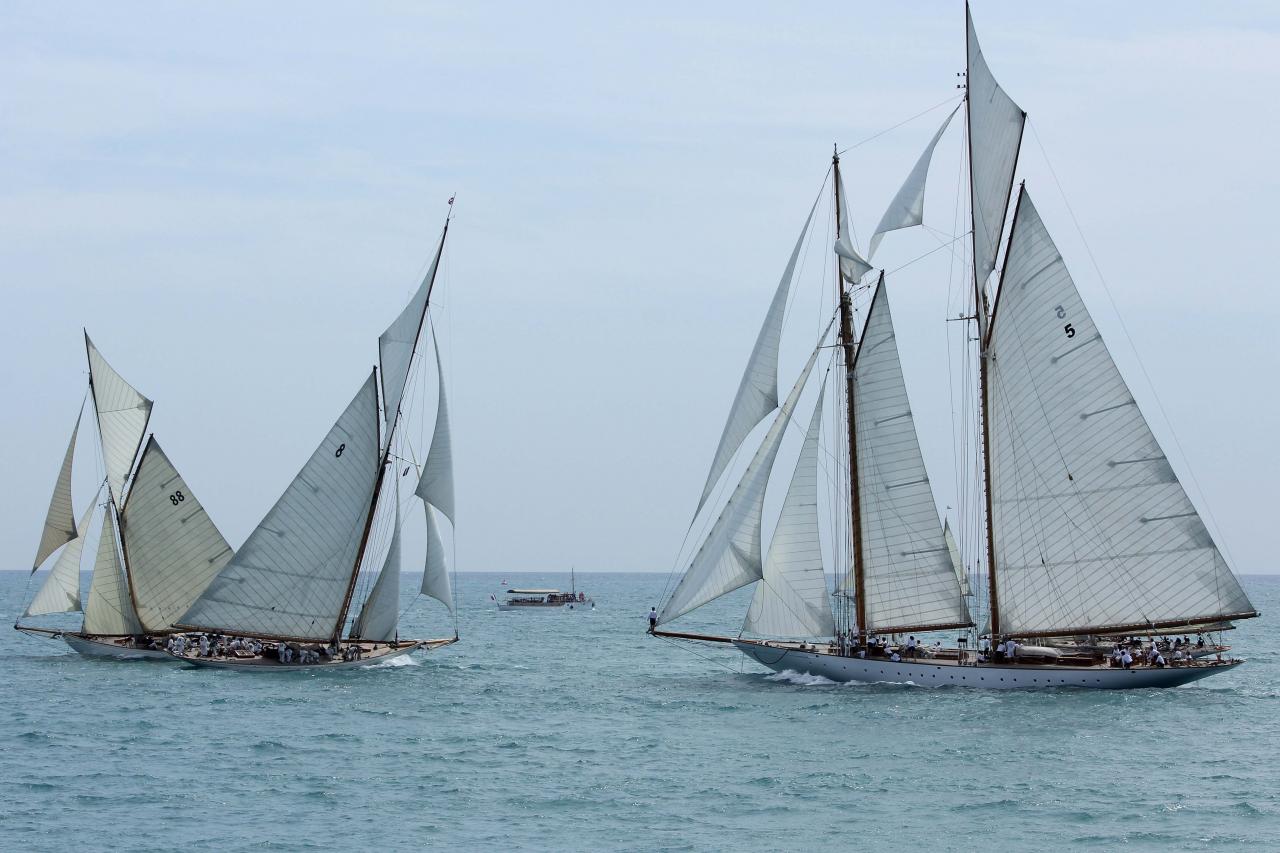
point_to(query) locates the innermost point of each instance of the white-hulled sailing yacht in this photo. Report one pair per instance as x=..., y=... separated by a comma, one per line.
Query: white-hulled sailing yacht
x=1089, y=537
x=157, y=547
x=283, y=601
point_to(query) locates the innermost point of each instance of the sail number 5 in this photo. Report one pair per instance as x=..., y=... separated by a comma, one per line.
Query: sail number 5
x=1068, y=330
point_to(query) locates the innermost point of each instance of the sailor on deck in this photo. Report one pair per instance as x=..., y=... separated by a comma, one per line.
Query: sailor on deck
x=653, y=619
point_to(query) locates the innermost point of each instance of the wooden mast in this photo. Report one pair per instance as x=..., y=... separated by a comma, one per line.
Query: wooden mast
x=847, y=344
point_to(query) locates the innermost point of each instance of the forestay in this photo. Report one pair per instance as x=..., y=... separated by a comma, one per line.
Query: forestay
x=172, y=546
x=290, y=577
x=435, y=572
x=907, y=208
x=435, y=486
x=59, y=521
x=758, y=391
x=729, y=557
x=791, y=599
x=109, y=610
x=1092, y=528
x=995, y=134
x=396, y=345
x=907, y=570
x=852, y=265
x=380, y=615
x=60, y=592
x=122, y=418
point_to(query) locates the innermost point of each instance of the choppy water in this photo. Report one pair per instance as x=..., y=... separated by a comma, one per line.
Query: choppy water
x=558, y=731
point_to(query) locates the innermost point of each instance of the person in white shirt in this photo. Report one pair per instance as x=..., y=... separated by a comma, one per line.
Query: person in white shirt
x=895, y=657
x=1126, y=659
x=911, y=647
x=653, y=619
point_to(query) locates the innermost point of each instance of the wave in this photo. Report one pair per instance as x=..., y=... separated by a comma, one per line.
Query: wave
x=403, y=660
x=801, y=679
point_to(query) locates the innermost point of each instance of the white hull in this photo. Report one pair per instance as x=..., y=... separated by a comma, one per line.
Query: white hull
x=943, y=673
x=103, y=647
x=576, y=607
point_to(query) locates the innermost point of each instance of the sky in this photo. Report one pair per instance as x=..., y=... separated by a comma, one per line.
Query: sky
x=235, y=199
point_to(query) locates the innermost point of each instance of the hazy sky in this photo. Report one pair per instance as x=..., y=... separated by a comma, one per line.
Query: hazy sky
x=236, y=199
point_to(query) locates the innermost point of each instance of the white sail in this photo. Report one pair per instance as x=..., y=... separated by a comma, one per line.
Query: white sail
x=109, y=609
x=59, y=521
x=172, y=546
x=396, y=345
x=907, y=208
x=907, y=571
x=758, y=391
x=1092, y=528
x=852, y=265
x=122, y=418
x=380, y=616
x=957, y=563
x=290, y=578
x=995, y=134
x=60, y=592
x=791, y=599
x=435, y=572
x=435, y=486
x=729, y=557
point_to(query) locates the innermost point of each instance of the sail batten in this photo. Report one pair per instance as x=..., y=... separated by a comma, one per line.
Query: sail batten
x=59, y=521
x=122, y=418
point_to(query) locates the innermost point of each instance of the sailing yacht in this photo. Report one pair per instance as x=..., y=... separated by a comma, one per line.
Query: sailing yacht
x=157, y=547
x=1088, y=536
x=284, y=600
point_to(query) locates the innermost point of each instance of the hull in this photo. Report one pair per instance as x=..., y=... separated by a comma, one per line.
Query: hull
x=989, y=676
x=577, y=607
x=111, y=647
x=373, y=655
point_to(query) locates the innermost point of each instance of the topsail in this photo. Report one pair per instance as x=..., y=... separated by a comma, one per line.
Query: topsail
x=122, y=418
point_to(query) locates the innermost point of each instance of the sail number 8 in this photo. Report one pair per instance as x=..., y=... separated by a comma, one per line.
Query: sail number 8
x=337, y=454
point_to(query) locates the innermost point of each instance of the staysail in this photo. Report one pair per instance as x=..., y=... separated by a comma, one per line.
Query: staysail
x=435, y=572
x=1092, y=529
x=758, y=391
x=172, y=546
x=122, y=418
x=379, y=618
x=59, y=521
x=907, y=208
x=791, y=599
x=729, y=557
x=290, y=578
x=397, y=344
x=435, y=486
x=109, y=609
x=908, y=575
x=60, y=592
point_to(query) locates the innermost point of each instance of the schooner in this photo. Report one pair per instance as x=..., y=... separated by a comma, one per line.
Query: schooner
x=1089, y=539
x=286, y=599
x=157, y=547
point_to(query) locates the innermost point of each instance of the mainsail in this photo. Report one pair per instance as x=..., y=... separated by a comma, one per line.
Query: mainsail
x=758, y=391
x=59, y=521
x=907, y=208
x=908, y=575
x=291, y=577
x=60, y=592
x=109, y=610
x=729, y=557
x=380, y=615
x=122, y=418
x=1092, y=529
x=791, y=599
x=397, y=344
x=172, y=546
x=435, y=486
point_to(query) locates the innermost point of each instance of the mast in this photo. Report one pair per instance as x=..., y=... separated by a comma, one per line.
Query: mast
x=847, y=344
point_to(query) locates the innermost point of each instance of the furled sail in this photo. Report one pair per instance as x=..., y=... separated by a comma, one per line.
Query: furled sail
x=109, y=609
x=396, y=345
x=435, y=573
x=290, y=577
x=907, y=571
x=173, y=548
x=758, y=391
x=122, y=418
x=953, y=550
x=995, y=134
x=60, y=592
x=379, y=618
x=1092, y=528
x=435, y=486
x=852, y=265
x=59, y=521
x=791, y=599
x=907, y=208
x=729, y=557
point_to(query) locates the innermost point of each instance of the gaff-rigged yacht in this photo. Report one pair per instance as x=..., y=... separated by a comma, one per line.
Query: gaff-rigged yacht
x=1088, y=536
x=283, y=601
x=157, y=547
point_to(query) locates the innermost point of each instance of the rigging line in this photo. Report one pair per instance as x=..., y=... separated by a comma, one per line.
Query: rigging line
x=945, y=245
x=874, y=136
x=1129, y=338
x=697, y=654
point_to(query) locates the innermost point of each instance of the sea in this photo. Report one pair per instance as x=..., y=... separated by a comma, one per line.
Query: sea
x=577, y=731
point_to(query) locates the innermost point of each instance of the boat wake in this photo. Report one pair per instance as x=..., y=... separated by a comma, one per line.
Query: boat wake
x=403, y=660
x=801, y=679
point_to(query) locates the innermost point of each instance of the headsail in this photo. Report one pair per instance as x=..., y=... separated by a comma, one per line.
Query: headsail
x=1092, y=528
x=172, y=546
x=59, y=521
x=852, y=265
x=122, y=418
x=435, y=573
x=435, y=486
x=791, y=599
x=290, y=577
x=379, y=618
x=758, y=391
x=729, y=557
x=109, y=609
x=907, y=208
x=396, y=345
x=908, y=575
x=995, y=134
x=60, y=592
